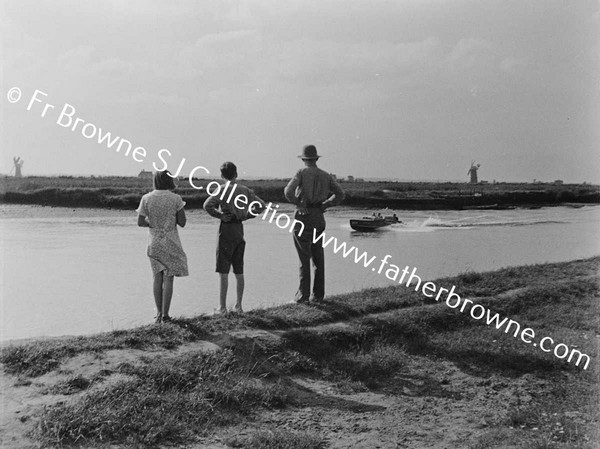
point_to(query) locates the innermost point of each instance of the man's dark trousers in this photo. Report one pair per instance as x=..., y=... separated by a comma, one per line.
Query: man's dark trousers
x=314, y=225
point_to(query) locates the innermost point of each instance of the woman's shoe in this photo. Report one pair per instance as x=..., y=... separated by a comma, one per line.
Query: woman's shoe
x=166, y=319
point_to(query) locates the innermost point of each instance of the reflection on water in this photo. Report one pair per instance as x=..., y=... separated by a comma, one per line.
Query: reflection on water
x=84, y=271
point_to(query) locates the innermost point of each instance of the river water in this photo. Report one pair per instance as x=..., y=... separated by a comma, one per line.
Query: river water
x=82, y=271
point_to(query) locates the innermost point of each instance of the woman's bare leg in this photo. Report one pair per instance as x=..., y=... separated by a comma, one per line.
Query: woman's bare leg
x=157, y=288
x=167, y=295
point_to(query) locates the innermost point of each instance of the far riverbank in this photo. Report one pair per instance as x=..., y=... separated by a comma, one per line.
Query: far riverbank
x=125, y=193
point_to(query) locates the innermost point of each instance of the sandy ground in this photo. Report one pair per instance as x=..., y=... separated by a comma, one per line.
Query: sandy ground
x=428, y=404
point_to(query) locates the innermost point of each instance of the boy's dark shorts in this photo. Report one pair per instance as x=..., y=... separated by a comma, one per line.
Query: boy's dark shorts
x=230, y=248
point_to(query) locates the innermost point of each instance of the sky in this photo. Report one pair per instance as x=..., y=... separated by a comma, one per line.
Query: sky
x=404, y=89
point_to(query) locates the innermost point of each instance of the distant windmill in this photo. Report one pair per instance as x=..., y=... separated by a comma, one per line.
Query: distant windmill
x=473, y=172
x=18, y=164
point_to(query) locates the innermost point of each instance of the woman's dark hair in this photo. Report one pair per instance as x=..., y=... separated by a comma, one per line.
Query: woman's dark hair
x=163, y=180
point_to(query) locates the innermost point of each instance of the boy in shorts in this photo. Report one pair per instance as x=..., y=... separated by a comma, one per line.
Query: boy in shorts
x=230, y=206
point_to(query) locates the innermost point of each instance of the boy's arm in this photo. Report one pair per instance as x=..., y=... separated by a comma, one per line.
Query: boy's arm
x=255, y=209
x=212, y=206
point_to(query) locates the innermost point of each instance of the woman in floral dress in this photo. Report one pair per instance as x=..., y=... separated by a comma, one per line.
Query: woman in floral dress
x=162, y=210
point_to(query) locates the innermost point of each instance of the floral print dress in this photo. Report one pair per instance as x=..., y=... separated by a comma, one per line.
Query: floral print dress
x=166, y=254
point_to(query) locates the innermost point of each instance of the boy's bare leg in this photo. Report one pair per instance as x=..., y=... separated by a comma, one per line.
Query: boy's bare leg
x=240, y=291
x=157, y=288
x=167, y=294
x=223, y=291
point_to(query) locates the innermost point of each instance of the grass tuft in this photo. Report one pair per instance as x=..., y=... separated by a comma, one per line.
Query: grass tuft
x=72, y=385
x=164, y=401
x=42, y=356
x=278, y=439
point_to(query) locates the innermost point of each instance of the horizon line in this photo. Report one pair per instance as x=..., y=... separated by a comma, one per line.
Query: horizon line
x=357, y=179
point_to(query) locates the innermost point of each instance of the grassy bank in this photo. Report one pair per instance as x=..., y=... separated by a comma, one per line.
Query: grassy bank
x=327, y=375
x=125, y=192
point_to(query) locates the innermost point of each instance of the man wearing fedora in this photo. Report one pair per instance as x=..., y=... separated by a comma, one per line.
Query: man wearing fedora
x=312, y=190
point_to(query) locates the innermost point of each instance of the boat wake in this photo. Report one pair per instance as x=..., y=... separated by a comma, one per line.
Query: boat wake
x=434, y=222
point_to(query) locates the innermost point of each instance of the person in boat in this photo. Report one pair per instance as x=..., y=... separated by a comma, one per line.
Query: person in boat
x=312, y=190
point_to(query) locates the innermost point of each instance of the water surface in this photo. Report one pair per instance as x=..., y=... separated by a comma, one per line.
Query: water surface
x=80, y=271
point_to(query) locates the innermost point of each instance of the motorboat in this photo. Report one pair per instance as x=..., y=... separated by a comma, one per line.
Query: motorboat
x=373, y=222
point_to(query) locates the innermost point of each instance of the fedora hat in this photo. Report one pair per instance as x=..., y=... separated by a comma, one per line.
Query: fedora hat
x=309, y=152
